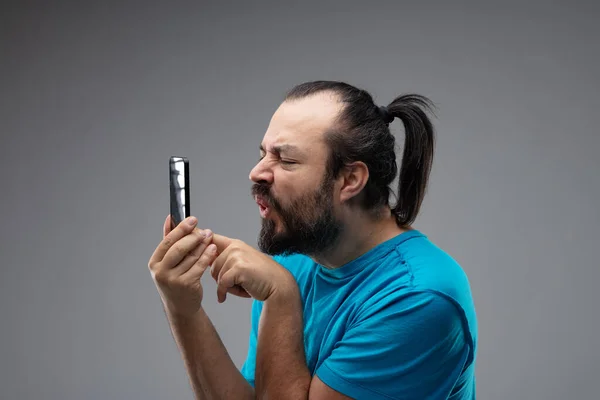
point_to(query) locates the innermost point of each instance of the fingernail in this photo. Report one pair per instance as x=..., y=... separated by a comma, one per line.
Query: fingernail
x=192, y=221
x=208, y=233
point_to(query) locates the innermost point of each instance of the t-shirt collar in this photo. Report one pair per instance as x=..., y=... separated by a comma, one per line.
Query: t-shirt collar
x=358, y=264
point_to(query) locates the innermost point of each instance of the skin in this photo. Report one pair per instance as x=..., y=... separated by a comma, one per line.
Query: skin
x=184, y=254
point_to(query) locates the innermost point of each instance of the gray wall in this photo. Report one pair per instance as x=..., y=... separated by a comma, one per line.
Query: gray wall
x=95, y=98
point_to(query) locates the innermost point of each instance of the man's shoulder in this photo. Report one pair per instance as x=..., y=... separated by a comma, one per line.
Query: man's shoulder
x=419, y=272
x=300, y=266
x=436, y=273
x=433, y=269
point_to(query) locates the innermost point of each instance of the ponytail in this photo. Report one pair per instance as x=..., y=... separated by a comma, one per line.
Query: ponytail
x=361, y=133
x=417, y=157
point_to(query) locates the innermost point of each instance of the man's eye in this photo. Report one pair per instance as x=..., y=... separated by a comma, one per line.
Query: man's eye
x=284, y=162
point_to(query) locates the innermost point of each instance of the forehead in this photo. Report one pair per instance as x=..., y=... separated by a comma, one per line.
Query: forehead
x=302, y=123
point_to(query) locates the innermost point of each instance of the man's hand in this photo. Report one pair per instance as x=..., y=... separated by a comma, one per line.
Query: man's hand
x=246, y=272
x=178, y=263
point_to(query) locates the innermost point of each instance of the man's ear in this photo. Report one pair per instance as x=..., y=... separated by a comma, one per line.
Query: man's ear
x=353, y=178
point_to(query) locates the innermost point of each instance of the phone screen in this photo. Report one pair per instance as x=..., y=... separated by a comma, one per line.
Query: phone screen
x=179, y=183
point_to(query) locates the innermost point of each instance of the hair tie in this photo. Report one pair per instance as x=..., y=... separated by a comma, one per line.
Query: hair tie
x=386, y=115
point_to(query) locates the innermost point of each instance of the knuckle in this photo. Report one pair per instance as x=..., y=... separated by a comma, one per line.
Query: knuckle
x=201, y=238
x=165, y=279
x=192, y=259
x=195, y=253
x=202, y=266
x=171, y=281
x=179, y=248
x=161, y=277
x=241, y=275
x=193, y=236
x=208, y=253
x=195, y=259
x=198, y=248
x=167, y=242
x=187, y=227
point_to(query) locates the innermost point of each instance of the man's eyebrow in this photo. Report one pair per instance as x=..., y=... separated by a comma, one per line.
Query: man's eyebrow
x=284, y=148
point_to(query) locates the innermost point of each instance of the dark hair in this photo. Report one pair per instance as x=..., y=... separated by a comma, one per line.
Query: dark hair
x=361, y=133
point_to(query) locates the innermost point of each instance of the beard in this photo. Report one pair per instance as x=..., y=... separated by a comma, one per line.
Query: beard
x=308, y=224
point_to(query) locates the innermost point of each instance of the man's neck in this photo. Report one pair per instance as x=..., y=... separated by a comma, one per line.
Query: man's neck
x=360, y=235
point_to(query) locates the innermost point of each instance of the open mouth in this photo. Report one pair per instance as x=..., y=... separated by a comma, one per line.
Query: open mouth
x=263, y=207
x=264, y=211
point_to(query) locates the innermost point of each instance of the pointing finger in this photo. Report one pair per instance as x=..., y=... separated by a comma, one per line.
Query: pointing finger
x=222, y=242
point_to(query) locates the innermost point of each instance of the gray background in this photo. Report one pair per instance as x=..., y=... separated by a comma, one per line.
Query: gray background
x=96, y=97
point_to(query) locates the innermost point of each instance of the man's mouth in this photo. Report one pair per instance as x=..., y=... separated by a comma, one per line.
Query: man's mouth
x=263, y=206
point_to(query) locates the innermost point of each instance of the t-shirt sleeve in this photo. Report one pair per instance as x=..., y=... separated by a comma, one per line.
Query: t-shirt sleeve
x=248, y=368
x=414, y=347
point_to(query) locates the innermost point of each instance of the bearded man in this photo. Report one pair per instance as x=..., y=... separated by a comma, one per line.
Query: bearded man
x=349, y=299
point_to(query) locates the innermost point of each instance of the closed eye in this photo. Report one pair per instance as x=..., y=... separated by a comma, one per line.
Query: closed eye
x=284, y=162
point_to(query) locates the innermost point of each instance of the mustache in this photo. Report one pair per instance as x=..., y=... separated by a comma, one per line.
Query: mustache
x=263, y=191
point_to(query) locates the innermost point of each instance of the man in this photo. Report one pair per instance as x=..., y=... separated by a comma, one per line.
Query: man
x=350, y=301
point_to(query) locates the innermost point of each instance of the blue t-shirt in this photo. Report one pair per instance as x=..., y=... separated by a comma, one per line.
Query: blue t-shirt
x=398, y=322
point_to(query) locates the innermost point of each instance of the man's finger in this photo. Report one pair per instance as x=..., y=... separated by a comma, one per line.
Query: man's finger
x=227, y=265
x=167, y=226
x=226, y=281
x=186, y=263
x=196, y=253
x=182, y=248
x=219, y=262
x=239, y=291
x=172, y=237
x=222, y=242
x=197, y=270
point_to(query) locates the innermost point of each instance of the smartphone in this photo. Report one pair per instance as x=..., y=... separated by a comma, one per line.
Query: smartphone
x=179, y=183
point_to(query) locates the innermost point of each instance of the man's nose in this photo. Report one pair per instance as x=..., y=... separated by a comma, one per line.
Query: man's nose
x=261, y=173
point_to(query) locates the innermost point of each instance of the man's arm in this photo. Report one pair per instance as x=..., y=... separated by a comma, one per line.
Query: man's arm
x=412, y=348
x=281, y=371
x=212, y=373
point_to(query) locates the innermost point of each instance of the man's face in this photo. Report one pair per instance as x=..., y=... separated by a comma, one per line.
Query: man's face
x=296, y=195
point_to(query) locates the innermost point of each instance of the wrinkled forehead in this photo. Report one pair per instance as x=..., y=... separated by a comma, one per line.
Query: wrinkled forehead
x=302, y=124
